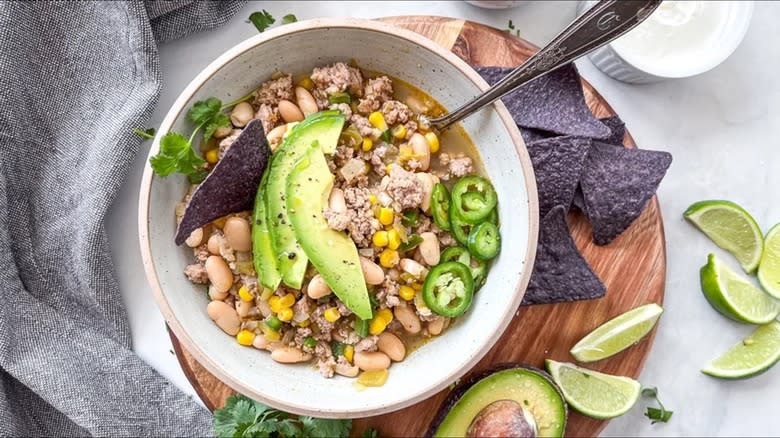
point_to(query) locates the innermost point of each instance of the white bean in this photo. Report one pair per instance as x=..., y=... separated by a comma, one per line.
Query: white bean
x=305, y=101
x=421, y=149
x=238, y=233
x=371, y=360
x=195, y=238
x=275, y=135
x=224, y=316
x=392, y=346
x=219, y=273
x=427, y=183
x=406, y=316
x=217, y=295
x=241, y=115
x=214, y=243
x=318, y=288
x=372, y=272
x=289, y=354
x=336, y=202
x=429, y=249
x=436, y=326
x=260, y=342
x=412, y=267
x=222, y=131
x=290, y=112
x=347, y=370
x=244, y=307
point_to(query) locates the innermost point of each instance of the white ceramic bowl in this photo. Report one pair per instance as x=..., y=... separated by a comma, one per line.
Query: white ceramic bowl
x=726, y=38
x=300, y=389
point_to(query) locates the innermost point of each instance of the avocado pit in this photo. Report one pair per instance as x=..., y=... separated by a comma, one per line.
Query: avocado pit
x=502, y=418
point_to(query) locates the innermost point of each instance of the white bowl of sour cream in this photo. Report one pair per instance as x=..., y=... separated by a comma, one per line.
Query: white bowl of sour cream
x=680, y=39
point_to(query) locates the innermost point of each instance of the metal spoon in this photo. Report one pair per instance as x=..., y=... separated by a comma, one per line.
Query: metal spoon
x=602, y=23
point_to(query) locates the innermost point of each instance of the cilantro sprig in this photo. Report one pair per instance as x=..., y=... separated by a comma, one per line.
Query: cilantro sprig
x=146, y=134
x=263, y=20
x=243, y=417
x=176, y=151
x=659, y=414
x=511, y=27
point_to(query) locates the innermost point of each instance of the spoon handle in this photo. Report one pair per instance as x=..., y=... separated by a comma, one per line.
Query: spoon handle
x=602, y=23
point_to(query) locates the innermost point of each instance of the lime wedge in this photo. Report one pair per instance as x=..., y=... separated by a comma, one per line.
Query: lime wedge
x=594, y=394
x=769, y=271
x=617, y=334
x=734, y=296
x=751, y=357
x=731, y=228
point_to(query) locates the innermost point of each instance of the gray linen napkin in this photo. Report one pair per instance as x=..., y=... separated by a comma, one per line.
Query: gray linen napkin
x=75, y=79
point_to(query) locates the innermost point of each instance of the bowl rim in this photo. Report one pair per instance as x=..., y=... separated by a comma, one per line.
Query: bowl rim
x=230, y=55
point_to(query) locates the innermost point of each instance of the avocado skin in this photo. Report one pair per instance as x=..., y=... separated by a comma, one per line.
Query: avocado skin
x=262, y=249
x=455, y=395
x=332, y=252
x=291, y=259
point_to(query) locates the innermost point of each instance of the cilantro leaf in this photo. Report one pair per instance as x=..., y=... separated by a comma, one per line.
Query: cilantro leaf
x=176, y=155
x=217, y=121
x=146, y=134
x=656, y=415
x=204, y=110
x=324, y=428
x=289, y=18
x=261, y=20
x=370, y=433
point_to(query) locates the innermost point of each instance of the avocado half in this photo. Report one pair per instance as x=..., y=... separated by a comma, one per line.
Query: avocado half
x=505, y=400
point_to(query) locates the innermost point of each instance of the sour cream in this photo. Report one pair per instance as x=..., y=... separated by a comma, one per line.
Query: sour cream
x=681, y=38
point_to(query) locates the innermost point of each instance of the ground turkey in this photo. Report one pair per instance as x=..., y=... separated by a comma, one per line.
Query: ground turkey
x=364, y=126
x=338, y=77
x=358, y=220
x=271, y=92
x=376, y=92
x=269, y=116
x=226, y=142
x=196, y=273
x=396, y=112
x=404, y=188
x=387, y=293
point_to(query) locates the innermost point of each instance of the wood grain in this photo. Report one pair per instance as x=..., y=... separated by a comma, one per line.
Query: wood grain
x=633, y=266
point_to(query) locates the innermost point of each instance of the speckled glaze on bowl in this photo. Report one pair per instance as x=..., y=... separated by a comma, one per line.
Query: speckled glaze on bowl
x=300, y=389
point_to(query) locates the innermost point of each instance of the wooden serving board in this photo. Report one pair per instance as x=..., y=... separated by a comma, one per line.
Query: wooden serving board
x=633, y=266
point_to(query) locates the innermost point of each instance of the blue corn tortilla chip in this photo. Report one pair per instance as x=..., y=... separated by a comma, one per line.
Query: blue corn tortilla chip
x=617, y=184
x=560, y=272
x=232, y=184
x=558, y=163
x=553, y=102
x=531, y=134
x=617, y=130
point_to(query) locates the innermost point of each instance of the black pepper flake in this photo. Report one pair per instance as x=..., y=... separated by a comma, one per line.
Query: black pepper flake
x=291, y=255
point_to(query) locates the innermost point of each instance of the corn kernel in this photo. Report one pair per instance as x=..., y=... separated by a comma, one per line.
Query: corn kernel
x=373, y=378
x=244, y=293
x=399, y=132
x=212, y=156
x=385, y=216
x=306, y=83
x=372, y=199
x=393, y=239
x=285, y=314
x=273, y=303
x=245, y=337
x=349, y=353
x=407, y=293
x=368, y=144
x=433, y=141
x=377, y=326
x=332, y=314
x=417, y=286
x=272, y=335
x=305, y=323
x=385, y=314
x=405, y=152
x=286, y=301
x=389, y=258
x=377, y=120
x=266, y=294
x=380, y=239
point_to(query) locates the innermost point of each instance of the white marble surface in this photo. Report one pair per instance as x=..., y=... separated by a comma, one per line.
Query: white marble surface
x=720, y=126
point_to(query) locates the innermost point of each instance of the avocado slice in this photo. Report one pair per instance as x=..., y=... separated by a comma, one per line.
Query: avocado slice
x=262, y=249
x=507, y=400
x=332, y=252
x=325, y=128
